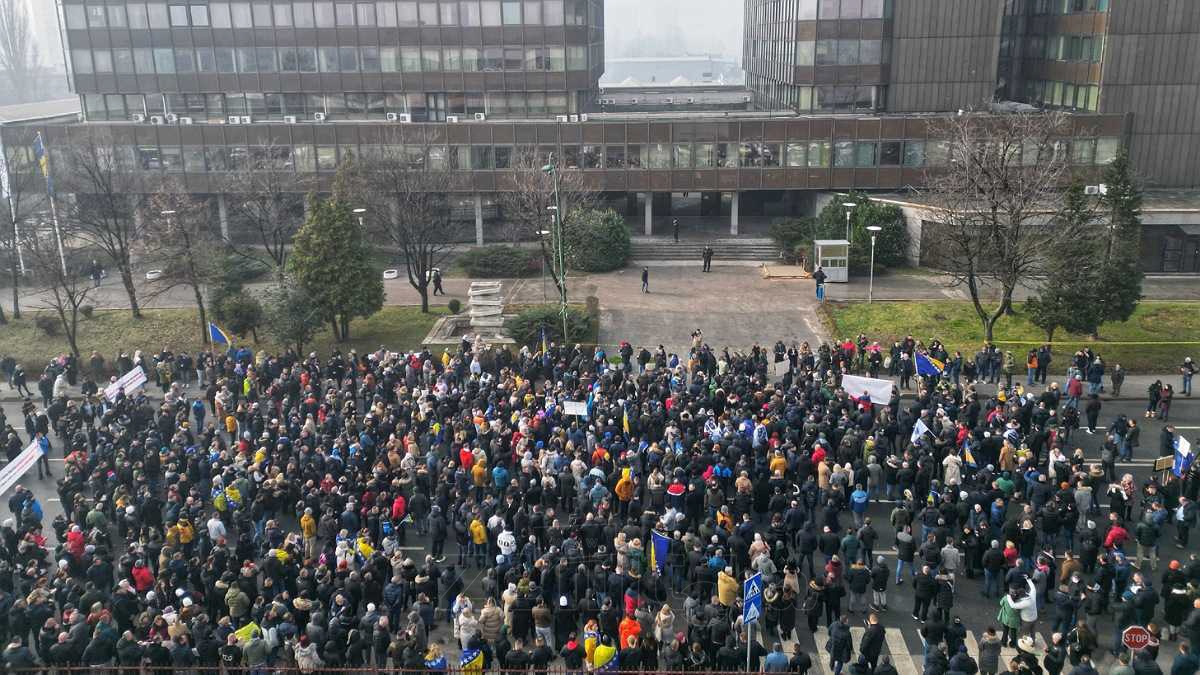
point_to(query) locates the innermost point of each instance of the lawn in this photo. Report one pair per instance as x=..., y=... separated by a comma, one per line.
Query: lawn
x=112, y=331
x=958, y=327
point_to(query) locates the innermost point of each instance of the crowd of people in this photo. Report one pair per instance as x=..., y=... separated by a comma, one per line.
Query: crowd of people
x=423, y=511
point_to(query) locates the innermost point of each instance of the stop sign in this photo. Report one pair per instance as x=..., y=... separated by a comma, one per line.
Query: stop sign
x=1135, y=637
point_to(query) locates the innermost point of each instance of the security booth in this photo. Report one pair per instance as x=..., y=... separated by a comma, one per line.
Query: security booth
x=833, y=256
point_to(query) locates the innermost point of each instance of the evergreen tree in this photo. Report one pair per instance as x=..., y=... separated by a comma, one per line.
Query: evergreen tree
x=331, y=261
x=1120, y=280
x=1071, y=296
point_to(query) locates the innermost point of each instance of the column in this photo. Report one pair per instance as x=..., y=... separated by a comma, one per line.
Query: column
x=733, y=214
x=223, y=216
x=478, y=219
x=649, y=205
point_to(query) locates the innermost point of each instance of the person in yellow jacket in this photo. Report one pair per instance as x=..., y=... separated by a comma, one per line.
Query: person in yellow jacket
x=308, y=526
x=478, y=540
x=727, y=587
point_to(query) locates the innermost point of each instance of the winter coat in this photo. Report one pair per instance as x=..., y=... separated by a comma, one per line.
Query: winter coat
x=491, y=620
x=989, y=654
x=307, y=659
x=841, y=643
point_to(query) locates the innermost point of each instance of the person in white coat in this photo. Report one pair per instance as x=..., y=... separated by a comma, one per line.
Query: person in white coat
x=1027, y=606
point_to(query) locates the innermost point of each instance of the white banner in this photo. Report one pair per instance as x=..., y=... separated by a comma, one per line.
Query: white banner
x=577, y=408
x=130, y=382
x=12, y=472
x=880, y=391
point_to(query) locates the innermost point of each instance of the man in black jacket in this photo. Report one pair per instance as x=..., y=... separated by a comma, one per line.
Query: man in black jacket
x=924, y=588
x=872, y=641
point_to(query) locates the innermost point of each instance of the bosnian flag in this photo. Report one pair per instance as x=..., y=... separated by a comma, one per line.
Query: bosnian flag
x=1183, y=457
x=919, y=430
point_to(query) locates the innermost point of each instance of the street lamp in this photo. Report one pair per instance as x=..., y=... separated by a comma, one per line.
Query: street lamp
x=360, y=212
x=551, y=169
x=543, y=234
x=873, y=229
x=850, y=206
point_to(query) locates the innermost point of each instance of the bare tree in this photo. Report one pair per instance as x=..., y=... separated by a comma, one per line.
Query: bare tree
x=264, y=199
x=408, y=205
x=180, y=241
x=18, y=51
x=104, y=212
x=995, y=202
x=27, y=195
x=526, y=200
x=66, y=291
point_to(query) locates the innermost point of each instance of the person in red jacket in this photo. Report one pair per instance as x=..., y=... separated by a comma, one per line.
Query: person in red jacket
x=1117, y=536
x=143, y=579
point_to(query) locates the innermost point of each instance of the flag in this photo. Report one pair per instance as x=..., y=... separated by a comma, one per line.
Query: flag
x=471, y=661
x=919, y=430
x=659, y=544
x=407, y=520
x=969, y=458
x=545, y=349
x=625, y=420
x=877, y=391
x=1183, y=457
x=927, y=366
x=605, y=658
x=43, y=160
x=218, y=336
x=246, y=632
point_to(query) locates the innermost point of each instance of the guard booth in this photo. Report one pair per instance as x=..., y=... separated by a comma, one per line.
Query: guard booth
x=833, y=255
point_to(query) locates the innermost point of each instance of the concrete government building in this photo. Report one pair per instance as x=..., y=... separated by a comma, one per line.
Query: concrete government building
x=841, y=92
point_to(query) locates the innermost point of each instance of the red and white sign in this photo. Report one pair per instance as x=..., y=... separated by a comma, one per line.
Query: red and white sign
x=1135, y=638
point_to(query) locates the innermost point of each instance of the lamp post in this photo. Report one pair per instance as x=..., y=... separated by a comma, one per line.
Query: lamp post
x=850, y=206
x=360, y=212
x=873, y=229
x=543, y=234
x=551, y=169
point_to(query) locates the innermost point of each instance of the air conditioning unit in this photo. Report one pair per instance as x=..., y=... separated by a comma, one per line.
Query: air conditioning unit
x=138, y=118
x=289, y=119
x=669, y=100
x=186, y=121
x=172, y=118
x=246, y=119
x=691, y=100
x=318, y=117
x=633, y=101
x=574, y=118
x=561, y=118
x=405, y=118
x=157, y=119
x=451, y=119
x=392, y=117
x=233, y=119
x=1091, y=190
x=480, y=117
x=583, y=117
x=745, y=99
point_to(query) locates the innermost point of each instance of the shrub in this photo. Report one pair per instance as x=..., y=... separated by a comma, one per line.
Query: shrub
x=241, y=313
x=454, y=306
x=87, y=311
x=793, y=237
x=596, y=241
x=501, y=262
x=526, y=328
x=47, y=324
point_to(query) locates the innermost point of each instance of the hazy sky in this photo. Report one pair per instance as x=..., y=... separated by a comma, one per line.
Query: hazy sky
x=673, y=27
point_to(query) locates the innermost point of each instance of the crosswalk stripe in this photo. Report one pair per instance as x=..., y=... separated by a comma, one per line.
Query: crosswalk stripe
x=822, y=654
x=898, y=648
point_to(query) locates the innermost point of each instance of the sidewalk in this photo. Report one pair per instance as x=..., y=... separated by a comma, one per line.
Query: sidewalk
x=925, y=284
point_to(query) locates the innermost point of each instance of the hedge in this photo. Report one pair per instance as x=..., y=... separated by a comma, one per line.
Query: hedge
x=501, y=262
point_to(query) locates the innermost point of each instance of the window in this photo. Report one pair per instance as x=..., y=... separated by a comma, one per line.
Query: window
x=302, y=15
x=266, y=60
x=116, y=16
x=406, y=13
x=344, y=12
x=553, y=13
x=81, y=59
x=76, y=18
x=807, y=10
x=614, y=156
x=429, y=14
x=324, y=14
x=872, y=9
x=468, y=13
x=123, y=61
x=96, y=16
x=490, y=11
x=326, y=158
x=199, y=15
x=470, y=59
x=385, y=13
x=205, y=63
x=240, y=12
x=136, y=13
x=431, y=59
x=449, y=13
x=683, y=155
x=864, y=153
x=871, y=52
x=889, y=153
x=633, y=156
x=794, y=154
x=804, y=52
x=156, y=15
x=184, y=61
x=370, y=59
x=843, y=154
x=533, y=13
x=247, y=60
x=366, y=14
x=818, y=154
x=828, y=9
x=164, y=61
x=660, y=156
x=1106, y=150
x=511, y=12
x=226, y=63
x=410, y=59
x=1083, y=151
x=851, y=9
x=576, y=58
x=847, y=52
x=826, y=52
x=179, y=16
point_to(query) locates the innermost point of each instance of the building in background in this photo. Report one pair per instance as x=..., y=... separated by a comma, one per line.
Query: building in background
x=683, y=71
x=47, y=33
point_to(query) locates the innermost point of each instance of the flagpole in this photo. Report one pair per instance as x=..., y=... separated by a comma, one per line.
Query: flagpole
x=62, y=258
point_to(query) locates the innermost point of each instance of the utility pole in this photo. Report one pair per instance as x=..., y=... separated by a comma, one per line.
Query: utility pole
x=560, y=258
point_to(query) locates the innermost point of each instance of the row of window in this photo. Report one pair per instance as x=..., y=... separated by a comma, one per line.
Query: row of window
x=845, y=52
x=1066, y=47
x=422, y=106
x=1069, y=6
x=306, y=158
x=766, y=11
x=1063, y=94
x=251, y=60
x=329, y=14
x=820, y=99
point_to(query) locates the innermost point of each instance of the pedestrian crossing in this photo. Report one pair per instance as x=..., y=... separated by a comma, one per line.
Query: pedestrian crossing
x=905, y=647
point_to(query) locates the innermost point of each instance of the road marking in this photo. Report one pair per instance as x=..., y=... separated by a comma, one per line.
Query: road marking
x=54, y=499
x=822, y=654
x=898, y=648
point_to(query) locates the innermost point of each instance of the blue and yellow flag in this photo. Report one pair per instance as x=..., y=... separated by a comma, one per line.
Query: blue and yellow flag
x=545, y=348
x=625, y=420
x=43, y=160
x=605, y=658
x=437, y=665
x=927, y=366
x=659, y=545
x=218, y=336
x=471, y=661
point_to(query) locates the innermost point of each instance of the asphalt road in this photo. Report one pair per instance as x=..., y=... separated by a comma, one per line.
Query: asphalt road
x=904, y=642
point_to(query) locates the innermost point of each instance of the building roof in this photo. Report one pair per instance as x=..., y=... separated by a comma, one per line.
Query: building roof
x=39, y=111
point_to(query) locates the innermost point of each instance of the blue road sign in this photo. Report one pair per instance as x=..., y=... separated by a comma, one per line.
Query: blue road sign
x=752, y=599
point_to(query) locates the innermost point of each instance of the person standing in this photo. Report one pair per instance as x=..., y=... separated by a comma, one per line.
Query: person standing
x=1187, y=370
x=645, y=279
x=437, y=282
x=707, y=256
x=675, y=229
x=819, y=276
